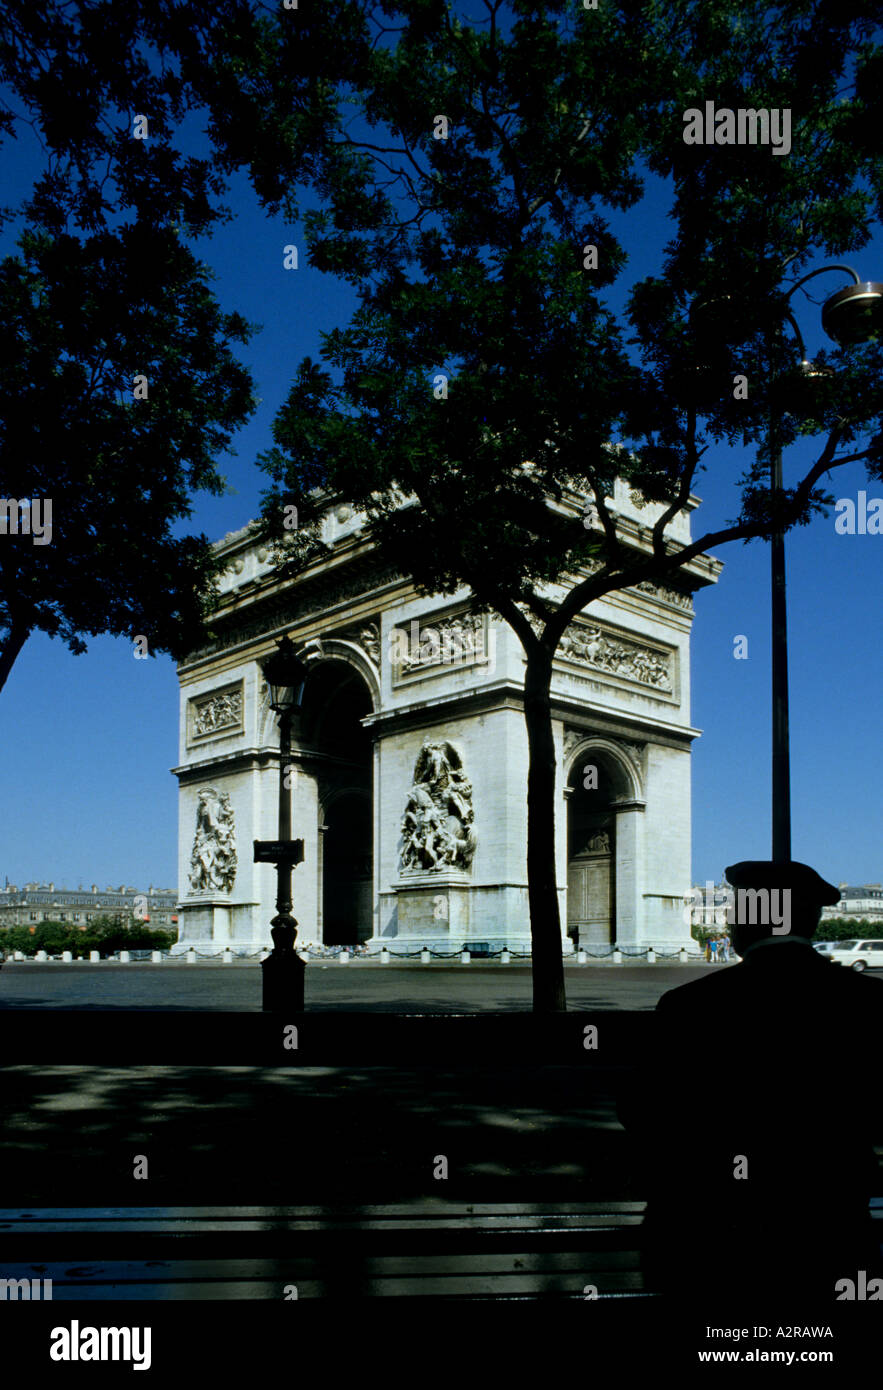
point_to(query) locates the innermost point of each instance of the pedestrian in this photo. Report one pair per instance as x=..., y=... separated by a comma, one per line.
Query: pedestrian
x=725, y=948
x=713, y=944
x=708, y=948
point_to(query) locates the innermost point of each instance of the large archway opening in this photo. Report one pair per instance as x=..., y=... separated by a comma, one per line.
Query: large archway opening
x=338, y=752
x=595, y=784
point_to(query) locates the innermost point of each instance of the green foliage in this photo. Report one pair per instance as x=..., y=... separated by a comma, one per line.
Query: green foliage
x=832, y=929
x=103, y=289
x=848, y=928
x=467, y=254
x=105, y=934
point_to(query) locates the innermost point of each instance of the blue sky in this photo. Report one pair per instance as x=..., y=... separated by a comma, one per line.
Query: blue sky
x=89, y=740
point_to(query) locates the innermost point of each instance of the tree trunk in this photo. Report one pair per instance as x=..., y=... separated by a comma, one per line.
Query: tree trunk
x=545, y=920
x=10, y=650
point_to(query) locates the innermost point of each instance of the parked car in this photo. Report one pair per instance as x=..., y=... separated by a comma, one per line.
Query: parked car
x=859, y=955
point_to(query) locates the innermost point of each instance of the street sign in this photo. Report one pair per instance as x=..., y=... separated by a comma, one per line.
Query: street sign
x=278, y=851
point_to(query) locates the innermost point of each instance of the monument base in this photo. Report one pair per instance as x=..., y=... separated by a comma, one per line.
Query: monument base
x=433, y=907
x=448, y=913
x=210, y=926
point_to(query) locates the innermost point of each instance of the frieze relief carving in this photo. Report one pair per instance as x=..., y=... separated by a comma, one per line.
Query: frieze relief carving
x=593, y=647
x=437, y=825
x=635, y=751
x=599, y=843
x=213, y=858
x=216, y=713
x=672, y=596
x=535, y=621
x=460, y=639
x=367, y=636
x=571, y=738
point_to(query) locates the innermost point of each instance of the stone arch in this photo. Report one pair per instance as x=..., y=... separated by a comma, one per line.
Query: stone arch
x=321, y=649
x=603, y=840
x=335, y=794
x=316, y=652
x=628, y=774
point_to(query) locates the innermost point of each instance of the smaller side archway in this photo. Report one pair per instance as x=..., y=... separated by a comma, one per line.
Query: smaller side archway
x=603, y=793
x=347, y=862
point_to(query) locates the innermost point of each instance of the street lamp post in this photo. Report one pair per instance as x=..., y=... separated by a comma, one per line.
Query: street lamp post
x=851, y=315
x=781, y=811
x=283, y=971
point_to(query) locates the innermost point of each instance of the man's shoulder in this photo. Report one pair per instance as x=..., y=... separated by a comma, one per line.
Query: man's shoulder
x=703, y=993
x=807, y=974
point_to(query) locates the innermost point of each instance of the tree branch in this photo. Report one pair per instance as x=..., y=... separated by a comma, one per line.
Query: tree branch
x=683, y=494
x=653, y=566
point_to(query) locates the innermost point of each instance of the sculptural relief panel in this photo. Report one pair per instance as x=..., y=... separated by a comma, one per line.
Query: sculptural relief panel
x=213, y=857
x=599, y=648
x=218, y=712
x=436, y=642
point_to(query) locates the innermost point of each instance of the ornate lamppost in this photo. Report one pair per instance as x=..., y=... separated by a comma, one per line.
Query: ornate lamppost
x=283, y=970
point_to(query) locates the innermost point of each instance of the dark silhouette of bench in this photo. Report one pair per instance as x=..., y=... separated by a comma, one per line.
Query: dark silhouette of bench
x=428, y=1248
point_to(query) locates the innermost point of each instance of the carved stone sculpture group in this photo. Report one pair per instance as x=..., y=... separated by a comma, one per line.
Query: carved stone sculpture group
x=213, y=860
x=593, y=647
x=437, y=825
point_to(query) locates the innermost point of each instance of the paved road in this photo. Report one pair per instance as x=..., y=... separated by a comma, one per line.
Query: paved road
x=358, y=985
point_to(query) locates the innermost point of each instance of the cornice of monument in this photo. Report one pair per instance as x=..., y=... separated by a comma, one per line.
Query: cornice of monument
x=264, y=604
x=279, y=605
x=506, y=694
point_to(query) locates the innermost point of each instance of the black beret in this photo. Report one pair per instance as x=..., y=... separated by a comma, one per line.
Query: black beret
x=783, y=874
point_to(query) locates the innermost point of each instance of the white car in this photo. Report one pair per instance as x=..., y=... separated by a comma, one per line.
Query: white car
x=860, y=955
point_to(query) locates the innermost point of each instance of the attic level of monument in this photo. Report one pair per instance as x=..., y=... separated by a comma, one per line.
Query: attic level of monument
x=409, y=758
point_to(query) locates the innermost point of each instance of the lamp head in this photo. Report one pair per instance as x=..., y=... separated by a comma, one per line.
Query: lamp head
x=854, y=314
x=285, y=674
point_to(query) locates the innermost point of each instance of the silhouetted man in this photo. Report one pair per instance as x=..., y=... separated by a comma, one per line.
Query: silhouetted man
x=761, y=1185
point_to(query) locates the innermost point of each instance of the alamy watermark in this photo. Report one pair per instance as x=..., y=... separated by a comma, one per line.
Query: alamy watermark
x=859, y=518
x=745, y=126
x=76, y=1343
x=764, y=907
x=28, y=517
x=26, y=1289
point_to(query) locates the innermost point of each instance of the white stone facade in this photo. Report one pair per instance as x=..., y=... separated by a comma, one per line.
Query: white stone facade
x=397, y=683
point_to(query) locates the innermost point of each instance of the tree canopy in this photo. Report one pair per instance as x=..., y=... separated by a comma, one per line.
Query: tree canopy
x=118, y=369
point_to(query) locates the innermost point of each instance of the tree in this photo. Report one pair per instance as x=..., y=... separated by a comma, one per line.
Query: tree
x=849, y=928
x=106, y=933
x=468, y=174
x=118, y=374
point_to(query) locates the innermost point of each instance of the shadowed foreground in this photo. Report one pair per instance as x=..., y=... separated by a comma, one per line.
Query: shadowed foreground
x=271, y=1134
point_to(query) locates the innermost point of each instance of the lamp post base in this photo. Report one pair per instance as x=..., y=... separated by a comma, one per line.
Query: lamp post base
x=283, y=971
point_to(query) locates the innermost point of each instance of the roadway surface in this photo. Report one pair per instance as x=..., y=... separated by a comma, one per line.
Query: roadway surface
x=362, y=985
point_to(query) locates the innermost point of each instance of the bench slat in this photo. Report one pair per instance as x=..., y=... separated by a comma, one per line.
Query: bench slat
x=421, y=1207
x=376, y=1277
